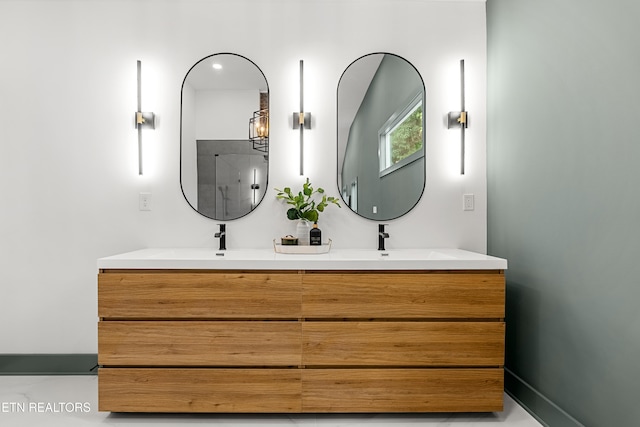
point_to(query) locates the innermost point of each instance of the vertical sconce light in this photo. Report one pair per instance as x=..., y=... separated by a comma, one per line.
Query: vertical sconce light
x=142, y=120
x=460, y=119
x=301, y=120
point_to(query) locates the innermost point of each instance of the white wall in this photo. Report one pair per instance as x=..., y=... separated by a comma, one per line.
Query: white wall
x=68, y=154
x=231, y=110
x=188, y=145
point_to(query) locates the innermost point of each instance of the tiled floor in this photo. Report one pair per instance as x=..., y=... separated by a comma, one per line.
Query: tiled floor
x=70, y=401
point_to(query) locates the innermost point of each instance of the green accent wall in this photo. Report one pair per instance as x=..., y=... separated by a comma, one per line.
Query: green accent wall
x=564, y=203
x=48, y=364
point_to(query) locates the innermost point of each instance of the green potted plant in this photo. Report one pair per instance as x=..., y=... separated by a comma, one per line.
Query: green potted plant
x=304, y=206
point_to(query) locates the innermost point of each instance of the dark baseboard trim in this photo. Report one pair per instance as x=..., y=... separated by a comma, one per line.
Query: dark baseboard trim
x=48, y=364
x=534, y=402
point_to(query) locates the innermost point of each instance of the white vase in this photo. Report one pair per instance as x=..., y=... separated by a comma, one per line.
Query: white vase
x=302, y=232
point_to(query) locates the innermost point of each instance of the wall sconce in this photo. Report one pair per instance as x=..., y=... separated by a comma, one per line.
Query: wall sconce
x=301, y=120
x=142, y=120
x=460, y=119
x=259, y=130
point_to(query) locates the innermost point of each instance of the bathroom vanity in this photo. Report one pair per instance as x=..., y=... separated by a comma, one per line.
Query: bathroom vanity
x=191, y=330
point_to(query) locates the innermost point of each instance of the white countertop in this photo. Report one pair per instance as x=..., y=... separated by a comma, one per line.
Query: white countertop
x=336, y=259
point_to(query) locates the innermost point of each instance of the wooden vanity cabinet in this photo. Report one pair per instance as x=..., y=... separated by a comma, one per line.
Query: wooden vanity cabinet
x=300, y=341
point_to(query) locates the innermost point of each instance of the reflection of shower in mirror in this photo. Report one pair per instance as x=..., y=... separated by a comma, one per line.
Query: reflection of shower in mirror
x=218, y=156
x=224, y=198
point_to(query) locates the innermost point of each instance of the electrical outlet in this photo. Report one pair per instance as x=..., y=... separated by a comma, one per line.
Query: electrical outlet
x=144, y=201
x=468, y=202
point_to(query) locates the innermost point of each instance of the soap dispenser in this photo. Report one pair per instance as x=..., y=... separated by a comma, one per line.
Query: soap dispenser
x=315, y=235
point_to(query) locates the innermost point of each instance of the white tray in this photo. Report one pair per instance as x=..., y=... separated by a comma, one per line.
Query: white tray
x=301, y=249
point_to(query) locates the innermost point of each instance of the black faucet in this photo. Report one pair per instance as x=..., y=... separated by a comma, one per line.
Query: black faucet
x=381, y=236
x=222, y=235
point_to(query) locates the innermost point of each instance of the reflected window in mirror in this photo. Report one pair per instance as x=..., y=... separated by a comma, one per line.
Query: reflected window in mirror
x=224, y=145
x=381, y=138
x=400, y=138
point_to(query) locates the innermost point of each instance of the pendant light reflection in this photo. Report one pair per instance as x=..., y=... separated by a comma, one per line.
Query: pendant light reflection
x=301, y=120
x=459, y=119
x=142, y=120
x=259, y=130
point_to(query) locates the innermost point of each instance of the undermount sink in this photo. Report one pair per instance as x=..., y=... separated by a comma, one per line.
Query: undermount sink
x=207, y=254
x=393, y=254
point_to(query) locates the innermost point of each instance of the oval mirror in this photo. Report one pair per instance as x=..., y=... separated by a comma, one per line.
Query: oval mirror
x=381, y=143
x=224, y=141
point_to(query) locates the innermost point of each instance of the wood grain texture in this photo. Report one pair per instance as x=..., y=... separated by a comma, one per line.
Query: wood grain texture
x=199, y=343
x=200, y=295
x=238, y=341
x=199, y=390
x=404, y=295
x=403, y=343
x=402, y=390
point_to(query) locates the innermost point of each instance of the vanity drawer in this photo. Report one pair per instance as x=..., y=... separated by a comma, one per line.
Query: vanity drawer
x=199, y=343
x=402, y=390
x=199, y=390
x=469, y=295
x=198, y=295
x=437, y=344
